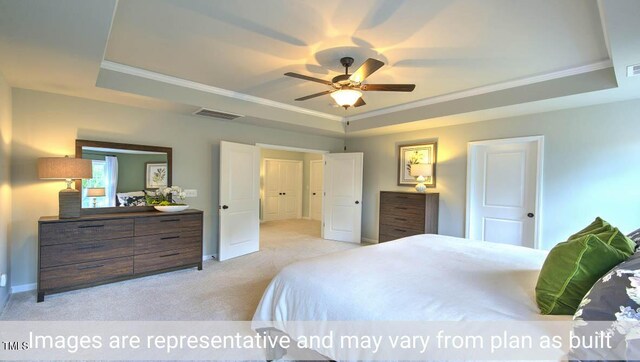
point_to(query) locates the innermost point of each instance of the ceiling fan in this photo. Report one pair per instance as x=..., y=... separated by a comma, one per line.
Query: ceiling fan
x=346, y=88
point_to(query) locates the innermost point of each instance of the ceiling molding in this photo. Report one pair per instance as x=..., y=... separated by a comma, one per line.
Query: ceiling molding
x=603, y=24
x=486, y=89
x=113, y=16
x=126, y=69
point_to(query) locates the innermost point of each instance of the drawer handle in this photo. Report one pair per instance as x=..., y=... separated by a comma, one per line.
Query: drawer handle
x=401, y=208
x=90, y=267
x=401, y=197
x=90, y=226
x=89, y=247
x=401, y=230
x=170, y=220
x=164, y=256
x=170, y=237
x=401, y=219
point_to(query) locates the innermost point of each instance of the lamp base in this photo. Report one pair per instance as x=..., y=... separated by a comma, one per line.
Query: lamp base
x=421, y=188
x=69, y=204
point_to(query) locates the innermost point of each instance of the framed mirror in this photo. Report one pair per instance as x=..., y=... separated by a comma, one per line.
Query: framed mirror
x=122, y=175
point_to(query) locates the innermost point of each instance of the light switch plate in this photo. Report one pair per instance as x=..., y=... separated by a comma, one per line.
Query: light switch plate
x=191, y=193
x=3, y=280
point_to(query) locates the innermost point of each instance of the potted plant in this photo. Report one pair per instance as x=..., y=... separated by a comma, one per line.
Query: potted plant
x=164, y=199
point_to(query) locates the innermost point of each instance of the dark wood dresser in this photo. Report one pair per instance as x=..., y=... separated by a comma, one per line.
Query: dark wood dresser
x=99, y=249
x=407, y=213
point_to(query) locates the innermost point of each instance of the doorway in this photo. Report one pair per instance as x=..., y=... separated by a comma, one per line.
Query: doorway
x=504, y=188
x=242, y=195
x=290, y=191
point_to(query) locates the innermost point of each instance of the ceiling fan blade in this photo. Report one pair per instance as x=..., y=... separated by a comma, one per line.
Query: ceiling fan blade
x=306, y=77
x=314, y=95
x=388, y=87
x=366, y=69
x=359, y=102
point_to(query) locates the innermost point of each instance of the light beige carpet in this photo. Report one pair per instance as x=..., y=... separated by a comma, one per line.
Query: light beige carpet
x=228, y=290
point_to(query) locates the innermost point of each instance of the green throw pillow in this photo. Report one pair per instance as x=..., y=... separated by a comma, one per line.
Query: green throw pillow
x=596, y=227
x=618, y=240
x=606, y=233
x=571, y=269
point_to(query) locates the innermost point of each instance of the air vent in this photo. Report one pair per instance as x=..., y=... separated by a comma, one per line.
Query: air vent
x=633, y=70
x=216, y=114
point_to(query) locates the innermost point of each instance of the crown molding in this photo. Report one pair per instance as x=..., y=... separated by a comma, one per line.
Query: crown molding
x=486, y=89
x=126, y=69
x=143, y=73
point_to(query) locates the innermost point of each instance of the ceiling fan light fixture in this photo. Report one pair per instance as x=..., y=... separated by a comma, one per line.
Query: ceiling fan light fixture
x=346, y=97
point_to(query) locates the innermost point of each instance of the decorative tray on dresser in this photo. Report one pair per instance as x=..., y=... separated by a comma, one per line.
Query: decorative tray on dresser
x=404, y=214
x=104, y=248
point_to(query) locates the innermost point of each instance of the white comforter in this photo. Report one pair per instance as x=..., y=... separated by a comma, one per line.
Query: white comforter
x=419, y=278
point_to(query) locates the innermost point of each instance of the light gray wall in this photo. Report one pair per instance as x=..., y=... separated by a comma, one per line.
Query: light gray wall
x=5, y=182
x=46, y=124
x=298, y=156
x=590, y=167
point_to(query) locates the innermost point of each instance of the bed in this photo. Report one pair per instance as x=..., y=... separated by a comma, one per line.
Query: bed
x=418, y=278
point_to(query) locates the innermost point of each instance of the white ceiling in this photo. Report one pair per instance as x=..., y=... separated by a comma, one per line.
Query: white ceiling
x=441, y=46
x=470, y=59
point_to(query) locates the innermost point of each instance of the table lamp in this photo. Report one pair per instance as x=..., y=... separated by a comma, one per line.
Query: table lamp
x=68, y=169
x=95, y=192
x=420, y=171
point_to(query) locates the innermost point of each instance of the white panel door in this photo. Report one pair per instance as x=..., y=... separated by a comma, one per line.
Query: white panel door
x=315, y=189
x=291, y=186
x=503, y=191
x=272, y=206
x=282, y=189
x=239, y=200
x=343, y=196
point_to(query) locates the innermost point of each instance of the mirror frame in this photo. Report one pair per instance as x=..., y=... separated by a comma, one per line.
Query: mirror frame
x=124, y=146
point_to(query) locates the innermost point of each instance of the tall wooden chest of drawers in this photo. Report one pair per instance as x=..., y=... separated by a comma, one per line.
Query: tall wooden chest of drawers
x=98, y=249
x=407, y=213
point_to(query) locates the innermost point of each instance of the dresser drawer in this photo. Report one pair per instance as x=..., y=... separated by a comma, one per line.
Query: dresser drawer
x=401, y=198
x=146, y=263
x=169, y=241
x=398, y=232
x=403, y=221
x=63, y=254
x=85, y=273
x=161, y=224
x=191, y=222
x=77, y=231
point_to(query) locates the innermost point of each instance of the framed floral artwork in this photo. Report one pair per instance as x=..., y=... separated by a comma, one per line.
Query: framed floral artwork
x=155, y=175
x=418, y=153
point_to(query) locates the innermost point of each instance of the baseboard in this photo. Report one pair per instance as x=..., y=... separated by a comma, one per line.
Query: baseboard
x=369, y=241
x=23, y=288
x=209, y=257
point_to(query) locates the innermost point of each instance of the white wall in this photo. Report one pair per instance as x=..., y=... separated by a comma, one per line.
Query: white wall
x=5, y=182
x=590, y=167
x=46, y=124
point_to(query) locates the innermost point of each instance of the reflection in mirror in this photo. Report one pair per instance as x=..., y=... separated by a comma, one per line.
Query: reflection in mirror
x=122, y=174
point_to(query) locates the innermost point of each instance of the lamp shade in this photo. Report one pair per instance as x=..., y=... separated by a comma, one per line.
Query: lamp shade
x=64, y=168
x=421, y=169
x=96, y=192
x=346, y=97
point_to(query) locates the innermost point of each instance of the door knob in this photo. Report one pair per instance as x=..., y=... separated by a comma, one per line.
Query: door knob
x=357, y=202
x=314, y=194
x=280, y=193
x=225, y=207
x=284, y=193
x=530, y=214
